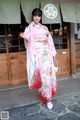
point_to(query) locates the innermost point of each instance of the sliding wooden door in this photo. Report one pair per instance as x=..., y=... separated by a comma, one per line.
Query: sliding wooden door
x=12, y=56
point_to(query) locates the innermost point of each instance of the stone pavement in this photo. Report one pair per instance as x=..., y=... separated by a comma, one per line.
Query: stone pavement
x=65, y=108
x=66, y=104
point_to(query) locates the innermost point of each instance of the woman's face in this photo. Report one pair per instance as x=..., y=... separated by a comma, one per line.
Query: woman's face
x=36, y=19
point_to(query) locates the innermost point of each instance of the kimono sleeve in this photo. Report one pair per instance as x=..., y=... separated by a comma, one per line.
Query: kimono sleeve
x=26, y=34
x=51, y=44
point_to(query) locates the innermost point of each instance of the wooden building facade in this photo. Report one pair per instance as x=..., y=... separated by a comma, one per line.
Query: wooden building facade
x=66, y=36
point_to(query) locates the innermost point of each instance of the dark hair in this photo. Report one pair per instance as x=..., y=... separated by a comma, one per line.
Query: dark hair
x=37, y=12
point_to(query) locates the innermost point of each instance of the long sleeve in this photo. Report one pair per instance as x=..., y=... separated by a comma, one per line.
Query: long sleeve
x=51, y=43
x=26, y=34
x=52, y=47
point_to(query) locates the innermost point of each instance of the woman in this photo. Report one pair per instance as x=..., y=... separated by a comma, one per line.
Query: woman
x=40, y=54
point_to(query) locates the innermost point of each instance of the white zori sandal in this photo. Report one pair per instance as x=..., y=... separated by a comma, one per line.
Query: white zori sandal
x=49, y=105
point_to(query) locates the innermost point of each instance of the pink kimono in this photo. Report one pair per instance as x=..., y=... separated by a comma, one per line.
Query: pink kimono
x=40, y=66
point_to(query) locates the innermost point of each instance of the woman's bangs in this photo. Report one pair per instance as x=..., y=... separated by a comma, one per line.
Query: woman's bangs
x=37, y=14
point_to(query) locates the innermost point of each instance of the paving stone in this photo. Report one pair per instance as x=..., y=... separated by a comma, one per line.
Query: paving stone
x=68, y=101
x=58, y=107
x=75, y=108
x=78, y=101
x=24, y=111
x=33, y=109
x=49, y=113
x=68, y=116
x=77, y=96
x=17, y=112
x=17, y=118
x=37, y=116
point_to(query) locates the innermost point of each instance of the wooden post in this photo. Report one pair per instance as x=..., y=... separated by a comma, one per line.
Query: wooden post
x=7, y=53
x=73, y=56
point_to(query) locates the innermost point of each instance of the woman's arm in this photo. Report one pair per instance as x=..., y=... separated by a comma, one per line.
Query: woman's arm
x=26, y=34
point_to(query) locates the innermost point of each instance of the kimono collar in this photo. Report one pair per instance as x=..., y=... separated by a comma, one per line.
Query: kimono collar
x=35, y=25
